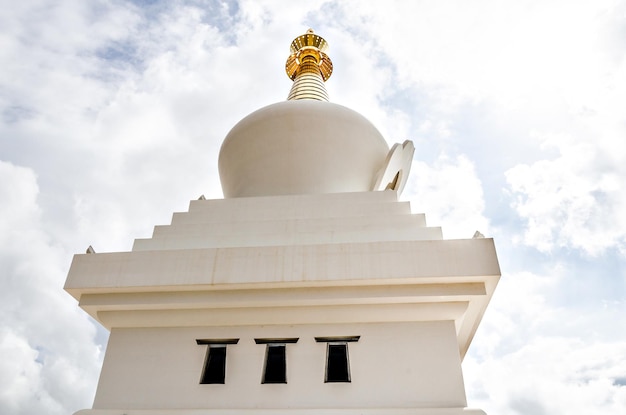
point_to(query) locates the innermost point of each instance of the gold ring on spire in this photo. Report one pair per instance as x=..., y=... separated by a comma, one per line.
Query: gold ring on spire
x=312, y=45
x=309, y=67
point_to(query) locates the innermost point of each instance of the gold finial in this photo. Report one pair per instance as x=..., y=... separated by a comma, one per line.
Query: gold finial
x=308, y=66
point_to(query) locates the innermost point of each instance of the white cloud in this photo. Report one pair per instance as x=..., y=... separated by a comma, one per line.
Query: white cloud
x=450, y=194
x=552, y=375
x=533, y=355
x=575, y=200
x=490, y=50
x=50, y=342
x=21, y=377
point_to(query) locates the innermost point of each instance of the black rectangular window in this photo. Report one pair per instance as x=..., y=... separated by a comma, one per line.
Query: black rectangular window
x=215, y=366
x=275, y=370
x=337, y=361
x=214, y=371
x=275, y=364
x=337, y=367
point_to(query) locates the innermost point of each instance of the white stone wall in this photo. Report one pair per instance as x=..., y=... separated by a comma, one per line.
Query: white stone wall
x=345, y=264
x=405, y=365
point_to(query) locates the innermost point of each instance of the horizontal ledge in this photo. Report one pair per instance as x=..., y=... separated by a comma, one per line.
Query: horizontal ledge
x=331, y=264
x=287, y=206
x=279, y=341
x=460, y=282
x=287, y=411
x=217, y=341
x=271, y=296
x=283, y=315
x=337, y=339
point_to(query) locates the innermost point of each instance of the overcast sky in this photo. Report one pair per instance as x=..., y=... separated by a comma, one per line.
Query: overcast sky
x=112, y=114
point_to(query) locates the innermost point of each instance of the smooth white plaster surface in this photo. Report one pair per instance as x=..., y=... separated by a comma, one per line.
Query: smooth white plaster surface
x=301, y=147
x=394, y=364
x=289, y=266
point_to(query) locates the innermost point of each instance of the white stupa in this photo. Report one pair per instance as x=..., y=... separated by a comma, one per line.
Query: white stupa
x=308, y=289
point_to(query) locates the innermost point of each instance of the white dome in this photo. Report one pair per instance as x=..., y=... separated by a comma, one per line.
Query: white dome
x=301, y=147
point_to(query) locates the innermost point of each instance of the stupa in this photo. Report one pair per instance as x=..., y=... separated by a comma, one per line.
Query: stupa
x=308, y=289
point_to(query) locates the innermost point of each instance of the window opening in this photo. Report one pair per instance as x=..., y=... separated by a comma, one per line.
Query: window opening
x=275, y=369
x=214, y=371
x=215, y=367
x=337, y=366
x=337, y=359
x=275, y=364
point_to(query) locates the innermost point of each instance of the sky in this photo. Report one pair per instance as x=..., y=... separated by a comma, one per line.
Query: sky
x=112, y=114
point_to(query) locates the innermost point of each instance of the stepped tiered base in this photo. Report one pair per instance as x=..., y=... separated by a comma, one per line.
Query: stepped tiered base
x=297, y=267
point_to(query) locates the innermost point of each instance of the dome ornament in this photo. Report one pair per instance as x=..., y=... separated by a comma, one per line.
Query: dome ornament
x=309, y=67
x=395, y=172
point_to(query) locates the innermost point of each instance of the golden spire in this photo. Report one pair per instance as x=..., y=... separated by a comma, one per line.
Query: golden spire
x=308, y=66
